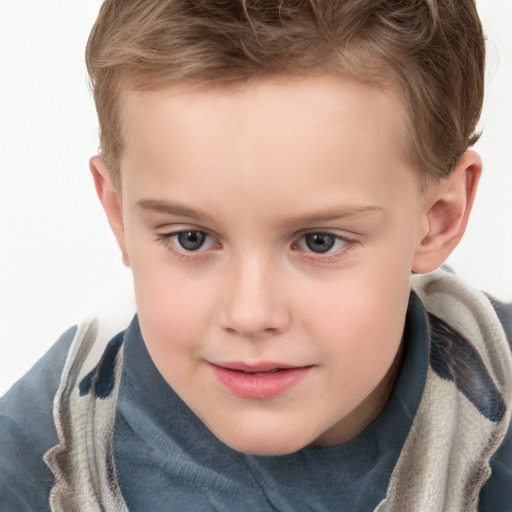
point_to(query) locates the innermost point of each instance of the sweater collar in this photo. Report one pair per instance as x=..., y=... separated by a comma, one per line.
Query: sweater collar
x=163, y=421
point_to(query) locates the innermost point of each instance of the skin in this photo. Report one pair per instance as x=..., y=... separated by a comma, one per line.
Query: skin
x=255, y=168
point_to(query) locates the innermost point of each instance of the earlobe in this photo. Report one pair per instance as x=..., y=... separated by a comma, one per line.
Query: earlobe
x=110, y=200
x=447, y=213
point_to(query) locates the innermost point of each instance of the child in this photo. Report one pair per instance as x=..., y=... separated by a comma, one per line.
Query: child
x=274, y=172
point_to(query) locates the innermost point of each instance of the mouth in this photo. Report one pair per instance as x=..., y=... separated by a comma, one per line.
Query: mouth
x=258, y=381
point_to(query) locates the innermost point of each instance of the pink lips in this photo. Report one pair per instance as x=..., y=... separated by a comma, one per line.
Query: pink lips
x=261, y=381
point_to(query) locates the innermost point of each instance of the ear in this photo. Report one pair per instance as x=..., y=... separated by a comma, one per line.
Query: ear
x=110, y=200
x=447, y=210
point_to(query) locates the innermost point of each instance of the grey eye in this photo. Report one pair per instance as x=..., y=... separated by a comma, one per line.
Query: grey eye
x=320, y=242
x=191, y=240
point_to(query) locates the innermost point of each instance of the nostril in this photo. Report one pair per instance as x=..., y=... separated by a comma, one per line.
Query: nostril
x=251, y=333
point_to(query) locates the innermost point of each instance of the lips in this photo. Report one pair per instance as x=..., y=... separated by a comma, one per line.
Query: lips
x=258, y=381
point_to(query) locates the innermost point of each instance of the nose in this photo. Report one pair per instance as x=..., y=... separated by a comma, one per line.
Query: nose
x=255, y=304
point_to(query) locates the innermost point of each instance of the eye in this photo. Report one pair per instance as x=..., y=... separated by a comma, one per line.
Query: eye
x=322, y=243
x=188, y=240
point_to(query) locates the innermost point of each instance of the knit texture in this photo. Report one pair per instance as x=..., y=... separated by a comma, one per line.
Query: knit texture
x=445, y=459
x=461, y=421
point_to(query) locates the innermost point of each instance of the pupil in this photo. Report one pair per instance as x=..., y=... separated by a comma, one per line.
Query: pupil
x=191, y=240
x=320, y=242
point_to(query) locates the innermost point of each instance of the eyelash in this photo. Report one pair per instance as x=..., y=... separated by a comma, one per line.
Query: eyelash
x=329, y=255
x=166, y=239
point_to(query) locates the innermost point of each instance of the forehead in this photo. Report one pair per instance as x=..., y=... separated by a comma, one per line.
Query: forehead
x=303, y=95
x=274, y=129
x=274, y=100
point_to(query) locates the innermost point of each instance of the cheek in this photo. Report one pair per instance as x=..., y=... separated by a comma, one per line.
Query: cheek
x=175, y=319
x=174, y=308
x=358, y=319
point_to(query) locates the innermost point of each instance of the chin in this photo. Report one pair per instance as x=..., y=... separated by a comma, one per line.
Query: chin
x=269, y=442
x=266, y=447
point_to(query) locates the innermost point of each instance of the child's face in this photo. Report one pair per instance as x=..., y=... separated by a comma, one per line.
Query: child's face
x=271, y=226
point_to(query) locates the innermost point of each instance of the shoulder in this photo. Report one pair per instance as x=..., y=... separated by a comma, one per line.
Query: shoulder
x=27, y=431
x=497, y=493
x=479, y=363
x=504, y=312
x=27, y=427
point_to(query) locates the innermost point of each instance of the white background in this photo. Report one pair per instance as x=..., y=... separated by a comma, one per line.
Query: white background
x=58, y=260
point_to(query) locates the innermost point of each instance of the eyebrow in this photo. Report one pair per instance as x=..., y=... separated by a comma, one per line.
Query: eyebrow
x=180, y=210
x=170, y=208
x=334, y=214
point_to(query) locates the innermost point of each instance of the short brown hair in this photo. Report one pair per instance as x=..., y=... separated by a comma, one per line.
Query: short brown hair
x=432, y=50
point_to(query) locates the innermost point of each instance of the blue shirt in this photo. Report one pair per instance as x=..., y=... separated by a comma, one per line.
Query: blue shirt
x=166, y=458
